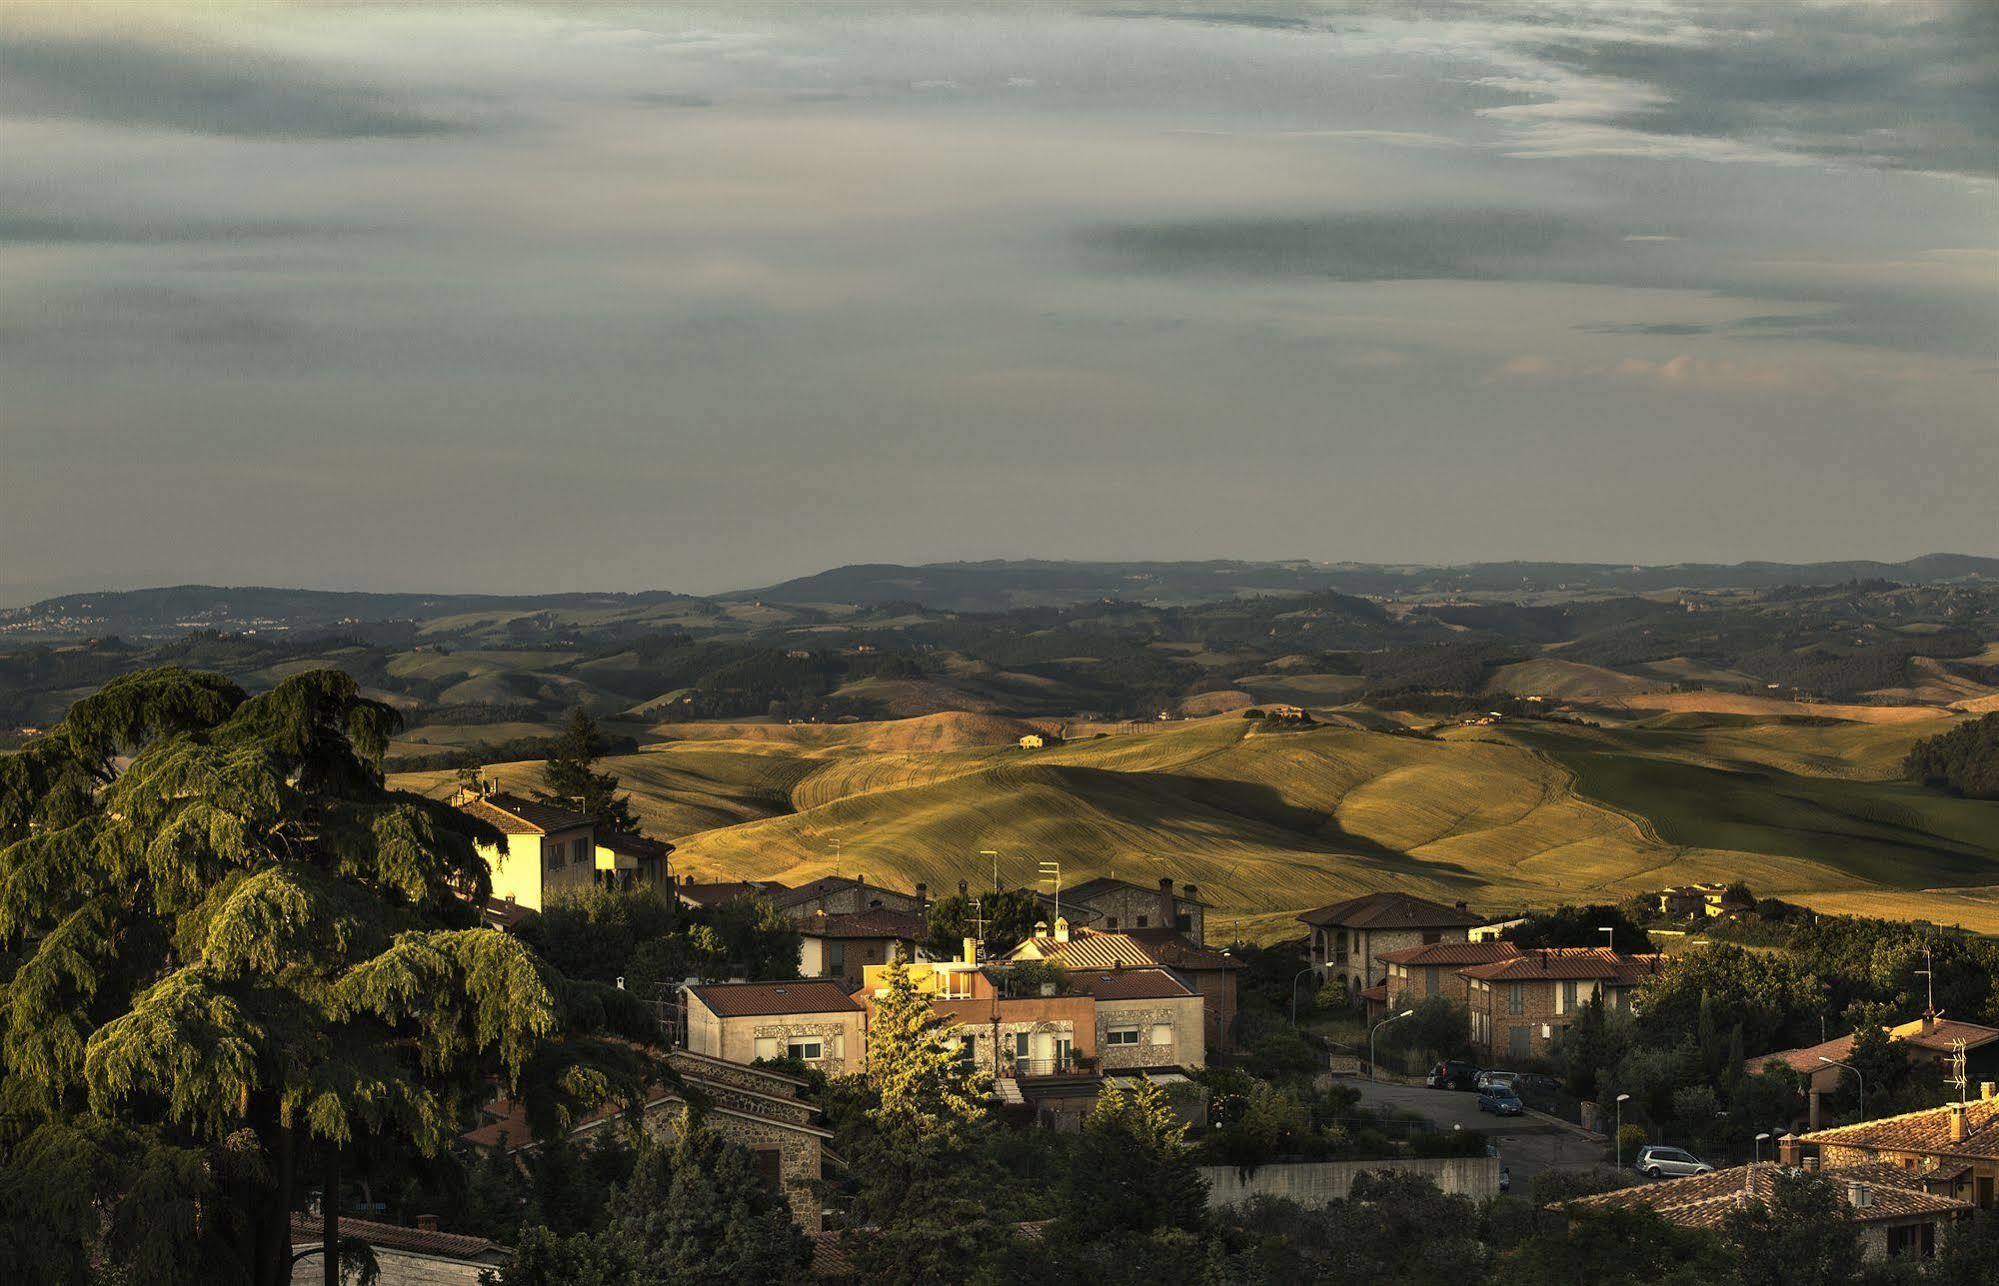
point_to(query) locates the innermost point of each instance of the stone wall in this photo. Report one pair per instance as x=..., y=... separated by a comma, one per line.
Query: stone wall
x=1315, y=1183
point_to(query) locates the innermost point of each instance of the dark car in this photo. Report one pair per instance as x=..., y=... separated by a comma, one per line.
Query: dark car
x=1500, y=1101
x=1452, y=1075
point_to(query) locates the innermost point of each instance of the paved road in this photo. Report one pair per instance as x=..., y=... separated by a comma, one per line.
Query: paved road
x=1527, y=1144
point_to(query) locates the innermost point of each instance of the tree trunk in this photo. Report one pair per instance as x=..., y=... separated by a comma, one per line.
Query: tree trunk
x=269, y=1204
x=329, y=1215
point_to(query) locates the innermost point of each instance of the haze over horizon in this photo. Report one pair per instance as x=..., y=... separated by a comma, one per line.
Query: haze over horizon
x=511, y=298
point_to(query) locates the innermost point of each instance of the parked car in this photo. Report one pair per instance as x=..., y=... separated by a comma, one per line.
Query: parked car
x=1452, y=1075
x=1536, y=1084
x=1663, y=1162
x=1500, y=1101
x=1508, y=1080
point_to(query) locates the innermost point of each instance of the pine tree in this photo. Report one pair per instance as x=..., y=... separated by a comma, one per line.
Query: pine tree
x=1135, y=1171
x=570, y=780
x=927, y=1092
x=232, y=952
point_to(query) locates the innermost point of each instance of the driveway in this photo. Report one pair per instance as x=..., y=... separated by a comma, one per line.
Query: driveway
x=1527, y=1144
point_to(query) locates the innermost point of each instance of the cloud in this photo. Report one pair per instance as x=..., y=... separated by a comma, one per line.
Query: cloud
x=197, y=88
x=1415, y=245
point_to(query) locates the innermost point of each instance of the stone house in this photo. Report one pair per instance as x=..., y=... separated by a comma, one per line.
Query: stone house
x=812, y=1020
x=1209, y=974
x=1929, y=1039
x=1412, y=975
x=690, y=892
x=1347, y=937
x=1900, y=1213
x=842, y=946
x=1955, y=1148
x=840, y=895
x=628, y=861
x=1521, y=1005
x=1146, y=1019
x=1119, y=906
x=754, y=1106
x=419, y=1256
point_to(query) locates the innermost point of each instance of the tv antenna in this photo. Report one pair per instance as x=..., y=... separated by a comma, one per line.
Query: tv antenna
x=1051, y=875
x=1929, y=975
x=1958, y=1075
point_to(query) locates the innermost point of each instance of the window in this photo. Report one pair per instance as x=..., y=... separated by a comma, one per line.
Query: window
x=1519, y=1042
x=805, y=1050
x=1022, y=1043
x=968, y=1050
x=1121, y=1036
x=1111, y=922
x=1430, y=980
x=1432, y=936
x=1141, y=922
x=1516, y=999
x=1566, y=1002
x=1184, y=923
x=766, y=1047
x=1916, y=1241
x=836, y=959
x=1161, y=1034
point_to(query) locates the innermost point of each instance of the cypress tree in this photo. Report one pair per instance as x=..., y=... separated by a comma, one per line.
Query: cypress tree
x=228, y=950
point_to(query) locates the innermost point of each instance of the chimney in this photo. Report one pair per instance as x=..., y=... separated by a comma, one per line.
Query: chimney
x=1041, y=928
x=922, y=895
x=1061, y=928
x=1166, y=919
x=1957, y=1122
x=1859, y=1195
x=972, y=949
x=1461, y=906
x=1787, y=1151
x=426, y=1223
x=1987, y=1091
x=963, y=888
x=1811, y=1165
x=1544, y=959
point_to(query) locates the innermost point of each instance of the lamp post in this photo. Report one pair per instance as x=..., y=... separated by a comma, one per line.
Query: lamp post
x=1760, y=1140
x=993, y=853
x=1374, y=1031
x=1856, y=1076
x=1311, y=968
x=1622, y=1099
x=1609, y=933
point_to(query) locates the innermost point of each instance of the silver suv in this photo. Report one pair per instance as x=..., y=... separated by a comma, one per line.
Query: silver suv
x=1663, y=1162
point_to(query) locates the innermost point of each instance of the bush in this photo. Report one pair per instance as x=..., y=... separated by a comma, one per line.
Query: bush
x=1629, y=1139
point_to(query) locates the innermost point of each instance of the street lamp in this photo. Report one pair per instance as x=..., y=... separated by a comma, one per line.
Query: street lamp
x=1760, y=1140
x=1311, y=968
x=1622, y=1099
x=1856, y=1076
x=1609, y=933
x=1375, y=1030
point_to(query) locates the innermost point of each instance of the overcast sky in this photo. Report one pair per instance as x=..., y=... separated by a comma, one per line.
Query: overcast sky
x=518, y=299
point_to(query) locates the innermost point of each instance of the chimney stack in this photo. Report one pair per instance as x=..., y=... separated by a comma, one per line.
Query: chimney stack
x=1787, y=1151
x=972, y=949
x=426, y=1223
x=963, y=888
x=1166, y=920
x=1957, y=1129
x=1461, y=905
x=922, y=895
x=1061, y=928
x=1811, y=1165
x=1987, y=1091
x=1860, y=1195
x=1041, y=928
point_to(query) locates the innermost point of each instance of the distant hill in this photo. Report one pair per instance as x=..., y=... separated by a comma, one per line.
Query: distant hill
x=1003, y=584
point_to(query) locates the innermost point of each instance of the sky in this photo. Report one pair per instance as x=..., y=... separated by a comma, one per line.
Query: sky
x=507, y=298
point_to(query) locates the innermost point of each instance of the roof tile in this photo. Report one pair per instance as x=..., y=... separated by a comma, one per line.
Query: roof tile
x=746, y=999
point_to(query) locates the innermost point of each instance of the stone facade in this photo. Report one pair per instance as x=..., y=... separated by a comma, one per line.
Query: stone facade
x=1170, y=1033
x=1525, y=1020
x=1350, y=953
x=746, y=1038
x=1121, y=908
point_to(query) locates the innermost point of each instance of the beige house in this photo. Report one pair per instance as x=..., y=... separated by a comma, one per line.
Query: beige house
x=1209, y=974
x=1348, y=937
x=550, y=851
x=1521, y=1005
x=1954, y=1147
x=814, y=1021
x=1929, y=1039
x=1412, y=975
x=1033, y=741
x=843, y=946
x=1145, y=1019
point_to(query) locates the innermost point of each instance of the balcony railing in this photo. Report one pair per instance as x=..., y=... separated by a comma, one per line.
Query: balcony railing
x=1069, y=1066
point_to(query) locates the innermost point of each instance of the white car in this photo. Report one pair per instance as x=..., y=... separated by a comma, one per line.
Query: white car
x=1662, y=1162
x=1503, y=1080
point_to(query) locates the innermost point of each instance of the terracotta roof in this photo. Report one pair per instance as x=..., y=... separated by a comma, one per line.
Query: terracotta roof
x=505, y=1119
x=633, y=845
x=1926, y=1131
x=504, y=913
x=1704, y=1200
x=715, y=893
x=828, y=884
x=1103, y=884
x=1128, y=984
x=1391, y=911
x=307, y=1231
x=1450, y=953
x=745, y=999
x=1379, y=991
x=875, y=922
x=1089, y=949
x=517, y=816
x=1935, y=1037
x=1567, y=962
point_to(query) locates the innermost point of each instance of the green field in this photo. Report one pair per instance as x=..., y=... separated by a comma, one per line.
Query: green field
x=1268, y=823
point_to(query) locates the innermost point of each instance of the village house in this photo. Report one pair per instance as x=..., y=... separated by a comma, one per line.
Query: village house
x=419, y=1256
x=1209, y=974
x=842, y=946
x=550, y=852
x=1347, y=937
x=1954, y=1148
x=1686, y=901
x=711, y=893
x=1521, y=1005
x=1900, y=1212
x=1412, y=975
x=1146, y=1019
x=841, y=895
x=627, y=861
x=813, y=1021
x=1033, y=741
x=755, y=1106
x=1929, y=1039
x=1115, y=905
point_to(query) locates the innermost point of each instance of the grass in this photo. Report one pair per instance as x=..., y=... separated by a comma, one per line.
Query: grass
x=1270, y=823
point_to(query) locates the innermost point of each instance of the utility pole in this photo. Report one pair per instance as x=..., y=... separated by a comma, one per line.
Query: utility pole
x=993, y=853
x=1051, y=875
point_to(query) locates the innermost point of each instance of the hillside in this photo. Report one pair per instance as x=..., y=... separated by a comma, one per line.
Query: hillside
x=1270, y=822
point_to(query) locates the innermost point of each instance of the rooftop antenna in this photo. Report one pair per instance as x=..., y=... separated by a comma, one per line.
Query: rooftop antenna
x=1051, y=875
x=1929, y=974
x=979, y=921
x=1959, y=1076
